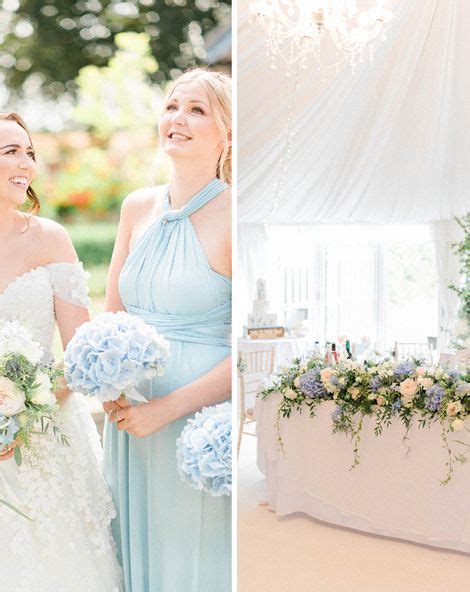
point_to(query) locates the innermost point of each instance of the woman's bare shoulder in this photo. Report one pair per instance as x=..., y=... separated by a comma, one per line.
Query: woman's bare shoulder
x=51, y=240
x=142, y=203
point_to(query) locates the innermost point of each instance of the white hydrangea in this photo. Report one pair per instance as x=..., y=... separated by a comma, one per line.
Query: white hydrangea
x=14, y=338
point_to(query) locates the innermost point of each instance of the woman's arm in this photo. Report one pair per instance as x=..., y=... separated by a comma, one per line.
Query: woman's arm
x=147, y=418
x=68, y=316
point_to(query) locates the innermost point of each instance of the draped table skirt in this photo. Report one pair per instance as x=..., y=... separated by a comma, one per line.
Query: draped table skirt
x=395, y=491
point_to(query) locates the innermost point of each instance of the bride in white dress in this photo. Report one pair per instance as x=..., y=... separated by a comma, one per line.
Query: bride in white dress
x=66, y=546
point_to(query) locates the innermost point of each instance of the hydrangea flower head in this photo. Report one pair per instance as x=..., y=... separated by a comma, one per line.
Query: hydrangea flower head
x=204, y=450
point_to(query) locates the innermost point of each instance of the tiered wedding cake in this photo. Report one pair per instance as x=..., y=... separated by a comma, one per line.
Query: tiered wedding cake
x=261, y=317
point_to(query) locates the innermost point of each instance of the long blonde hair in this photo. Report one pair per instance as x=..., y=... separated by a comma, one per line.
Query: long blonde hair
x=219, y=90
x=32, y=197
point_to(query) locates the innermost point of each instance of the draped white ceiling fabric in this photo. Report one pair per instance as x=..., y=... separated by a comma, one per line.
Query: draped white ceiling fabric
x=388, y=145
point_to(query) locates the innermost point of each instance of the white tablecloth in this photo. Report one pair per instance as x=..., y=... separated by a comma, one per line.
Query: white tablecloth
x=285, y=348
x=395, y=491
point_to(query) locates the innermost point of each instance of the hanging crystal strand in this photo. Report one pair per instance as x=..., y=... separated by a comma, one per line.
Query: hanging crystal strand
x=285, y=155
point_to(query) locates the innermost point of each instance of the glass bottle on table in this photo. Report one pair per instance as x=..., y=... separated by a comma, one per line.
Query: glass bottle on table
x=328, y=359
x=334, y=354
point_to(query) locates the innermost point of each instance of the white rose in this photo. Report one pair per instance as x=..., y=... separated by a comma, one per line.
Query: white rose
x=289, y=393
x=326, y=374
x=438, y=373
x=408, y=389
x=380, y=401
x=42, y=394
x=453, y=408
x=458, y=425
x=297, y=382
x=11, y=398
x=303, y=368
x=425, y=381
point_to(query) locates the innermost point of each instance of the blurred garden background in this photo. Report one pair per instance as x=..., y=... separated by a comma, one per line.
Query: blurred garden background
x=89, y=77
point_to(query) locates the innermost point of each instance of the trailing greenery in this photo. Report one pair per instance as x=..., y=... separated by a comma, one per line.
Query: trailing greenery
x=462, y=250
x=384, y=391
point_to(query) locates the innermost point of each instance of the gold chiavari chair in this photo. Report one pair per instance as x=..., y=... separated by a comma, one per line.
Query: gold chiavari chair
x=254, y=370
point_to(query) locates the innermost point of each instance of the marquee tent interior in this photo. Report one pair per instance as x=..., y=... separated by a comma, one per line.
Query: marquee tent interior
x=386, y=146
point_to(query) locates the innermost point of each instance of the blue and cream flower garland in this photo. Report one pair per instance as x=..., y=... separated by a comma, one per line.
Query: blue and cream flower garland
x=406, y=391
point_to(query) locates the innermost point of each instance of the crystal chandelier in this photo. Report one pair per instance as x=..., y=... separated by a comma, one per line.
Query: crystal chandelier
x=296, y=29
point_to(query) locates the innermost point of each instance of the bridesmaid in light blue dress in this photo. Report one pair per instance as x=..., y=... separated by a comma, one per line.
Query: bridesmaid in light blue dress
x=171, y=268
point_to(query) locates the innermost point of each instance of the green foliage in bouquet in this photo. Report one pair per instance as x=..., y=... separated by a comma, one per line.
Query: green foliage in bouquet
x=37, y=383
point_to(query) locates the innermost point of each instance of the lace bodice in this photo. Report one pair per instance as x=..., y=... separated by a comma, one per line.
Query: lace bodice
x=29, y=298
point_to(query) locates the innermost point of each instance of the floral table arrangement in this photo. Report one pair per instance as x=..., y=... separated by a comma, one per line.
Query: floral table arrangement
x=386, y=391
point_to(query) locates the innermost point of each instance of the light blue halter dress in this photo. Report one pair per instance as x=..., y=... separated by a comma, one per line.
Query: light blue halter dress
x=172, y=538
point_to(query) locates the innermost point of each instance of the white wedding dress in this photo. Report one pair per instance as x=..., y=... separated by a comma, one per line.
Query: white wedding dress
x=67, y=545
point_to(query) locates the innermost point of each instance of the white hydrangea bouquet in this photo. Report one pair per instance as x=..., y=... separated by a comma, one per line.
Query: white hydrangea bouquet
x=27, y=400
x=109, y=355
x=204, y=450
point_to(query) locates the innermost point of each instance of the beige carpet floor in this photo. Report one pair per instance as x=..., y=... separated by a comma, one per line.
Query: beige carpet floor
x=299, y=554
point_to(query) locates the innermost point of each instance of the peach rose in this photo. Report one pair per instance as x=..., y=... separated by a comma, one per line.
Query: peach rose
x=326, y=374
x=408, y=389
x=453, y=408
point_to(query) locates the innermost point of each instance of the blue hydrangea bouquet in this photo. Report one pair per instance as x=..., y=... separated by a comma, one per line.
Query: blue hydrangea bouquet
x=204, y=450
x=109, y=355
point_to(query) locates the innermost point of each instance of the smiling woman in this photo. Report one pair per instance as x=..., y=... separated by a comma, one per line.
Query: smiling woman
x=19, y=158
x=41, y=283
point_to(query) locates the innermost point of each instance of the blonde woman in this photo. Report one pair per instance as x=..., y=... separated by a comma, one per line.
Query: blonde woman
x=171, y=267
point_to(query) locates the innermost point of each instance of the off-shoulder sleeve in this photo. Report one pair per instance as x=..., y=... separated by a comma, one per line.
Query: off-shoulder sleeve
x=69, y=282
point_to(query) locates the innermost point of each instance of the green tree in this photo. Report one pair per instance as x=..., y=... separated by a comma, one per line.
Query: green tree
x=119, y=97
x=51, y=40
